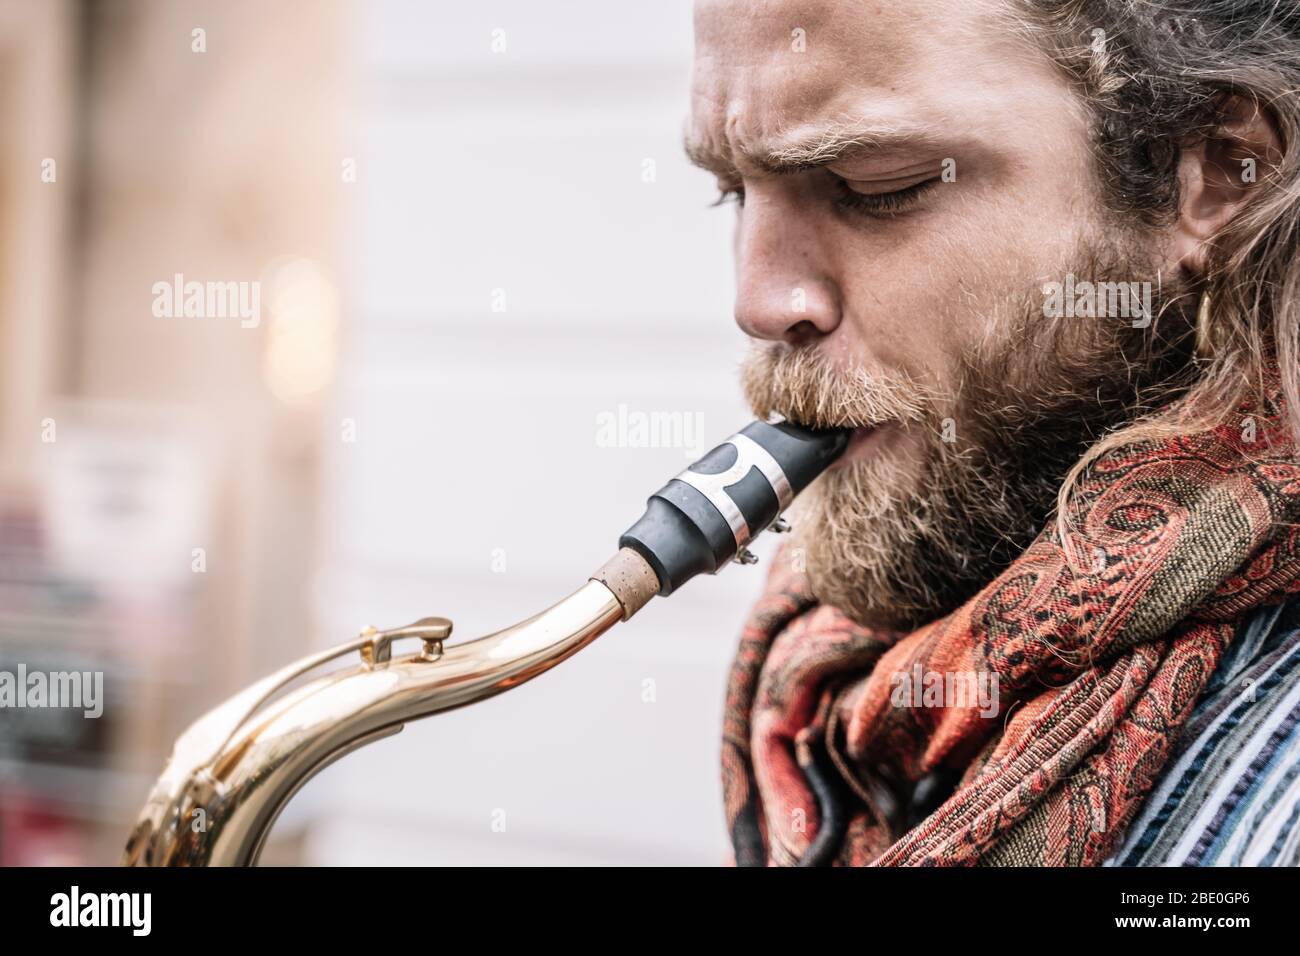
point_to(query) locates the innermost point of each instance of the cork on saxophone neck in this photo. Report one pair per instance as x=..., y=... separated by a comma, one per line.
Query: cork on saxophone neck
x=630, y=579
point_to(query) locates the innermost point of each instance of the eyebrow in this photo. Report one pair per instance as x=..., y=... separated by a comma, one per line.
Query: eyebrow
x=808, y=150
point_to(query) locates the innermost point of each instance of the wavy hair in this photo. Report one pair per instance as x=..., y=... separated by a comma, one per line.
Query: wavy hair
x=1156, y=75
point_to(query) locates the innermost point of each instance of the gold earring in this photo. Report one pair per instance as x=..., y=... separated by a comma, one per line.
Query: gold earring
x=1204, y=338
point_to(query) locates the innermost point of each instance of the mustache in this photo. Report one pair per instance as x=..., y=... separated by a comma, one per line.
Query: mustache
x=801, y=385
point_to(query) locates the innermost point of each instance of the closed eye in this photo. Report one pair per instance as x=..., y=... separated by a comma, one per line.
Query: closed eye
x=881, y=204
x=885, y=205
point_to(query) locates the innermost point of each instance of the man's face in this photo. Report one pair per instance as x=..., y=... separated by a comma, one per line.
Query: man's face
x=910, y=177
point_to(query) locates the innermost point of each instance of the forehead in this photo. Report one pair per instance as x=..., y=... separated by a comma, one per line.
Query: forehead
x=767, y=69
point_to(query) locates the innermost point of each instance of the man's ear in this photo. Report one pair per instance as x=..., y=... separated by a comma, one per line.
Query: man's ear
x=1219, y=174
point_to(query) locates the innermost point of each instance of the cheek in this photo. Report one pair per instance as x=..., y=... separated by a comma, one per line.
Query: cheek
x=922, y=293
x=914, y=307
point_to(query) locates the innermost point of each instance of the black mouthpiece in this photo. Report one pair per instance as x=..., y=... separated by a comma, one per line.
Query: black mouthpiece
x=706, y=516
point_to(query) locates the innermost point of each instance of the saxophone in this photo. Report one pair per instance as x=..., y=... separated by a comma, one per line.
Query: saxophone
x=234, y=769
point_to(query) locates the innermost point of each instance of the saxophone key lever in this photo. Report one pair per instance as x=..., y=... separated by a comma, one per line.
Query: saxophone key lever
x=431, y=630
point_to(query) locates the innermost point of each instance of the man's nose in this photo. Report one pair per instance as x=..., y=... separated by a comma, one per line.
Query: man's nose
x=784, y=291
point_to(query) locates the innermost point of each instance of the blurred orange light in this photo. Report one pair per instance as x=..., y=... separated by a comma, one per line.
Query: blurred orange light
x=302, y=307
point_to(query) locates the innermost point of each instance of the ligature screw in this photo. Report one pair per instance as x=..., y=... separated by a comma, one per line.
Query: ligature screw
x=780, y=526
x=745, y=556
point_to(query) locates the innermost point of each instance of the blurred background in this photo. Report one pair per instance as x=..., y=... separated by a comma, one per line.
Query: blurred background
x=471, y=261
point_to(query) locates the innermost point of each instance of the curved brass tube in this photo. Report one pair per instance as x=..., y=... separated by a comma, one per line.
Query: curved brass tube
x=234, y=769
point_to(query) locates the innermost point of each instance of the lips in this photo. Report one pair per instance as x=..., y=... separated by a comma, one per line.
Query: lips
x=860, y=436
x=861, y=440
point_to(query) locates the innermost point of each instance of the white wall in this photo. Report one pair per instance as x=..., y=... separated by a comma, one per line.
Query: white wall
x=476, y=430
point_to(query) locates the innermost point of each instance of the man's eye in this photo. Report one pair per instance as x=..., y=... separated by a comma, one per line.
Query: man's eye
x=882, y=205
x=728, y=194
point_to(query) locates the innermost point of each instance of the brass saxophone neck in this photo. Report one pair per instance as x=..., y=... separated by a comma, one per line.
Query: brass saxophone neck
x=232, y=772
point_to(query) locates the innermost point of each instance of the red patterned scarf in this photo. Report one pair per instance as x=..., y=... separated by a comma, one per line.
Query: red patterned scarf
x=833, y=732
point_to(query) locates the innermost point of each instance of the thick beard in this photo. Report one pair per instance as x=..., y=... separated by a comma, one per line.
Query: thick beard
x=893, y=546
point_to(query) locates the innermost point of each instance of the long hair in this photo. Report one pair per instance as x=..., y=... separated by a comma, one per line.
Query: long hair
x=1155, y=75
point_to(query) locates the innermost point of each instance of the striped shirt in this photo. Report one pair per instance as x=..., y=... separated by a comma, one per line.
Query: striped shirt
x=1230, y=795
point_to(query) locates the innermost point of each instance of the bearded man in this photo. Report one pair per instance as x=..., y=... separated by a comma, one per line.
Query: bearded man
x=1041, y=255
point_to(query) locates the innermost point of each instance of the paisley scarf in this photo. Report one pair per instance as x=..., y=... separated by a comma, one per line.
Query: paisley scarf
x=1026, y=727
